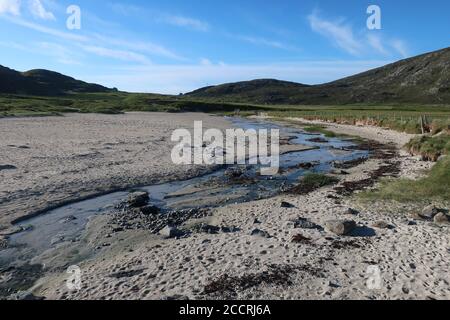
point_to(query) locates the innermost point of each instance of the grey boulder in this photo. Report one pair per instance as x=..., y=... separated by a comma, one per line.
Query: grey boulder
x=340, y=227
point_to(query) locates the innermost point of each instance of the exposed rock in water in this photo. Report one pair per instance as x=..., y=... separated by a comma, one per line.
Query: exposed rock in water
x=138, y=199
x=3, y=243
x=318, y=140
x=340, y=227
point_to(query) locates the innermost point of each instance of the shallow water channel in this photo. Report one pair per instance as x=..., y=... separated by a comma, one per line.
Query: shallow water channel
x=215, y=189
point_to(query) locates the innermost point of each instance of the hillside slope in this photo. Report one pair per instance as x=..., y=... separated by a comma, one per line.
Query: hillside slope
x=424, y=79
x=43, y=83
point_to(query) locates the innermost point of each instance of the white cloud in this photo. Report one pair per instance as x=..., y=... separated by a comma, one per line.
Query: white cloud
x=117, y=54
x=61, y=53
x=10, y=6
x=337, y=31
x=173, y=79
x=49, y=31
x=376, y=42
x=38, y=11
x=400, y=47
x=205, y=62
x=142, y=46
x=342, y=36
x=262, y=41
x=186, y=22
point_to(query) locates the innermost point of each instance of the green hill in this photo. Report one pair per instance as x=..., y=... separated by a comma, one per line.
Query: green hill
x=424, y=79
x=43, y=83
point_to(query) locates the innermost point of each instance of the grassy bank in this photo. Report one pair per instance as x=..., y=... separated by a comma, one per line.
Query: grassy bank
x=110, y=103
x=436, y=185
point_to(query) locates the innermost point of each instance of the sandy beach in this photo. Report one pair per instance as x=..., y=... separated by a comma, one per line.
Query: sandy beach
x=56, y=160
x=267, y=250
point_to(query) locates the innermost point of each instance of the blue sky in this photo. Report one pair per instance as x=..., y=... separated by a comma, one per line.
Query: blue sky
x=179, y=45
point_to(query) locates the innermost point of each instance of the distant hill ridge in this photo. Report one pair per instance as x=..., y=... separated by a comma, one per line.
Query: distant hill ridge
x=43, y=83
x=423, y=79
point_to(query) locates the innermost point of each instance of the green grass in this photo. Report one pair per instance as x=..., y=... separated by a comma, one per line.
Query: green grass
x=400, y=118
x=430, y=147
x=436, y=186
x=110, y=103
x=320, y=129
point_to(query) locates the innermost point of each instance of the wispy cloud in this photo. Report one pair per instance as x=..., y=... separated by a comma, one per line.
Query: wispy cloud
x=262, y=41
x=10, y=7
x=337, y=31
x=116, y=54
x=96, y=44
x=185, y=22
x=356, y=44
x=38, y=11
x=161, y=17
x=376, y=42
x=142, y=46
x=46, y=30
x=61, y=53
x=401, y=47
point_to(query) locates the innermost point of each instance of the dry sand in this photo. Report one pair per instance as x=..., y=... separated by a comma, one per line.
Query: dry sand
x=412, y=257
x=62, y=159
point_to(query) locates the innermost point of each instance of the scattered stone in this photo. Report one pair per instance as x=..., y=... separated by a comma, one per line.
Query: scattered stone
x=256, y=221
x=149, y=210
x=340, y=227
x=303, y=223
x=382, y=225
x=7, y=167
x=3, y=243
x=344, y=165
x=170, y=232
x=300, y=239
x=351, y=212
x=441, y=218
x=260, y=233
x=287, y=205
x=206, y=228
x=117, y=230
x=318, y=140
x=24, y=296
x=68, y=219
x=411, y=223
x=176, y=298
x=138, y=199
x=229, y=229
x=429, y=212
